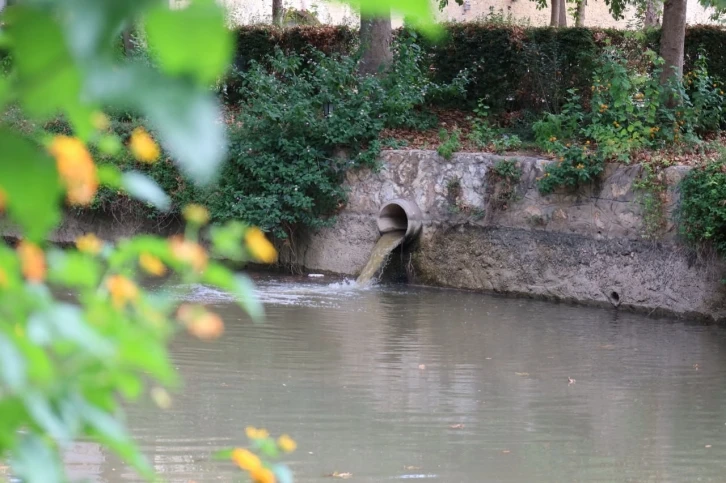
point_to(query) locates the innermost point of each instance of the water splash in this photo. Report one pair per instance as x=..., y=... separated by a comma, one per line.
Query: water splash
x=380, y=254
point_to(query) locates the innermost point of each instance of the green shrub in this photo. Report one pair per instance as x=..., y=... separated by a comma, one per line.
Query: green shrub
x=450, y=143
x=306, y=120
x=575, y=166
x=702, y=210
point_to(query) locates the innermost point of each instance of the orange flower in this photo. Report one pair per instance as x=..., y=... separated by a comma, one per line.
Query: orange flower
x=200, y=322
x=207, y=326
x=122, y=290
x=32, y=261
x=76, y=169
x=286, y=443
x=3, y=199
x=254, y=433
x=89, y=243
x=143, y=146
x=152, y=265
x=246, y=459
x=259, y=246
x=188, y=252
x=196, y=214
x=262, y=475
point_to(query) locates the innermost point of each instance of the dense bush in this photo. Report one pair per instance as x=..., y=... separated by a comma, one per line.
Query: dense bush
x=512, y=67
x=702, y=211
x=303, y=122
x=628, y=110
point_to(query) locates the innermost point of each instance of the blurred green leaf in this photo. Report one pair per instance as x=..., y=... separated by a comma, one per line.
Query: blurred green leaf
x=30, y=180
x=33, y=461
x=227, y=240
x=145, y=189
x=240, y=286
x=113, y=434
x=109, y=175
x=283, y=474
x=72, y=269
x=68, y=323
x=44, y=415
x=416, y=12
x=12, y=364
x=47, y=76
x=138, y=351
x=129, y=250
x=223, y=454
x=186, y=118
x=4, y=91
x=192, y=40
x=128, y=384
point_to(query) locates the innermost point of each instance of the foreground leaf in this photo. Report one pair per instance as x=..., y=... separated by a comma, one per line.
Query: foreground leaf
x=30, y=180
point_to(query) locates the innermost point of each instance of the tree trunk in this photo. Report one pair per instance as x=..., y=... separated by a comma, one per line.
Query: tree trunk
x=277, y=12
x=580, y=21
x=651, y=19
x=563, y=14
x=672, y=39
x=375, y=37
x=555, y=16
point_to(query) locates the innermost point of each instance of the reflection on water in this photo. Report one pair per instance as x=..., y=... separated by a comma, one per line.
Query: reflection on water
x=398, y=383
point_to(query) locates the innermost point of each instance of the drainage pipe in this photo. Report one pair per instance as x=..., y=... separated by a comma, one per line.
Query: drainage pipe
x=400, y=215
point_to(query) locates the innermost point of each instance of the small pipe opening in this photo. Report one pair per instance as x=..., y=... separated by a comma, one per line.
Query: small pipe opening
x=615, y=296
x=394, y=218
x=400, y=215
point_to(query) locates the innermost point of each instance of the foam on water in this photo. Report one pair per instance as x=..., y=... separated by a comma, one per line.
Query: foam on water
x=307, y=294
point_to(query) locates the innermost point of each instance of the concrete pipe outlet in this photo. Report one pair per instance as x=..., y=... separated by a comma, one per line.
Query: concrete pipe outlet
x=401, y=215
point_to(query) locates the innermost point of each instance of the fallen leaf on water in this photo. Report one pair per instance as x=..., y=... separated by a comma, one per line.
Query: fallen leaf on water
x=411, y=468
x=335, y=474
x=505, y=451
x=607, y=346
x=523, y=374
x=422, y=366
x=457, y=426
x=571, y=380
x=708, y=446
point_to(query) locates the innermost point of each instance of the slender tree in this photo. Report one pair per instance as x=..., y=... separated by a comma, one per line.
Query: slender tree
x=277, y=12
x=375, y=36
x=672, y=39
x=555, y=13
x=562, y=13
x=580, y=15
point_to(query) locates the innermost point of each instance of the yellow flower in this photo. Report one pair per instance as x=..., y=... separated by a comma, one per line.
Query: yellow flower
x=143, y=146
x=89, y=243
x=246, y=459
x=32, y=262
x=553, y=139
x=254, y=433
x=259, y=246
x=122, y=290
x=188, y=252
x=76, y=169
x=100, y=121
x=196, y=214
x=286, y=443
x=262, y=475
x=152, y=265
x=580, y=166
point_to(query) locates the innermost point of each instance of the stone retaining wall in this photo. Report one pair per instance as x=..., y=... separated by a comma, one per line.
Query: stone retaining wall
x=586, y=247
